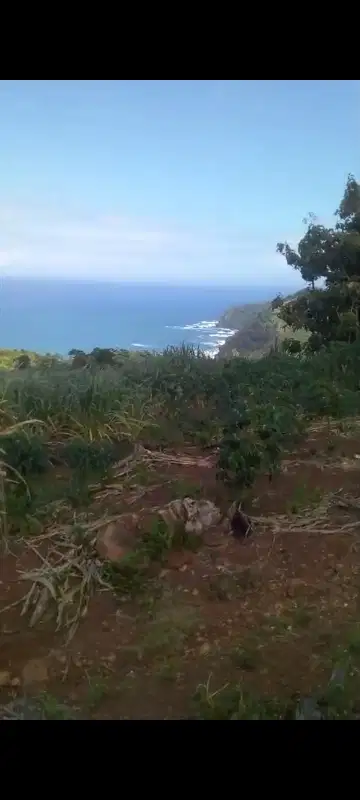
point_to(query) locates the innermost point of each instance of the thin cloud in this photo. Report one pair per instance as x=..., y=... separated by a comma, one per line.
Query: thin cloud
x=39, y=243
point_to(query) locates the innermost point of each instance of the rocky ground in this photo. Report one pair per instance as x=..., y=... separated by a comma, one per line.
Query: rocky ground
x=121, y=610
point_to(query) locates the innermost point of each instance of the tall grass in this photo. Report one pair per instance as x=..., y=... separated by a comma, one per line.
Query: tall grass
x=179, y=395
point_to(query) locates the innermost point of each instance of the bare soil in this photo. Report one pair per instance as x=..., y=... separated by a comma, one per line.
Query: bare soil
x=269, y=613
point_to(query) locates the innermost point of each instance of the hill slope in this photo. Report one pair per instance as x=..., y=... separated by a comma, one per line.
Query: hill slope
x=257, y=328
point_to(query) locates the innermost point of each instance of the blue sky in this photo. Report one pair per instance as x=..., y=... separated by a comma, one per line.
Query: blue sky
x=169, y=180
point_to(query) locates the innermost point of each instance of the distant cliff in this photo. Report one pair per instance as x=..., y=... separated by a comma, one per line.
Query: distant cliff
x=239, y=316
x=257, y=329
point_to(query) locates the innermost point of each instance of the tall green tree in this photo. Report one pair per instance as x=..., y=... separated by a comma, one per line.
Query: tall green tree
x=103, y=356
x=330, y=255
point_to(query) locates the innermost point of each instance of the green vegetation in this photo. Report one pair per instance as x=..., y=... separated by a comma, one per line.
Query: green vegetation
x=331, y=255
x=22, y=359
x=239, y=317
x=314, y=317
x=252, y=409
x=69, y=426
x=259, y=330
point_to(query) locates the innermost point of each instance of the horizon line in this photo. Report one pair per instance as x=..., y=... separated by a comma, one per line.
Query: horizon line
x=70, y=279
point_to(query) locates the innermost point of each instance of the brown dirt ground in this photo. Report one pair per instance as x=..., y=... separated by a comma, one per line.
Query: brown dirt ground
x=267, y=613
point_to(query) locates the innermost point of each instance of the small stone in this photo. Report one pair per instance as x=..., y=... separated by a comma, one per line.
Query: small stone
x=35, y=671
x=111, y=658
x=15, y=682
x=59, y=656
x=179, y=560
x=204, y=649
x=5, y=678
x=195, y=592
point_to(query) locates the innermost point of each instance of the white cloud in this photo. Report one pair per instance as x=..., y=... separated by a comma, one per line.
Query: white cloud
x=43, y=243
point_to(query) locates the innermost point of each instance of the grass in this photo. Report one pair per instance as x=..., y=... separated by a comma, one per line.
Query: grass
x=169, y=629
x=233, y=702
x=42, y=707
x=304, y=497
x=81, y=448
x=232, y=583
x=338, y=699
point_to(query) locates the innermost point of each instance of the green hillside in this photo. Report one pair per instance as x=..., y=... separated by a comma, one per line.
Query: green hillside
x=13, y=359
x=257, y=328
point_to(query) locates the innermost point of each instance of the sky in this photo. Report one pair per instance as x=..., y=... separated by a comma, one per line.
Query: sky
x=175, y=181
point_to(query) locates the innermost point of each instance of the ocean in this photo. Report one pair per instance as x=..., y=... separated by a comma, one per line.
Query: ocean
x=55, y=316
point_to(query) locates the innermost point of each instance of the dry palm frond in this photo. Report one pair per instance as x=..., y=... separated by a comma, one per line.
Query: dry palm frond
x=178, y=458
x=317, y=522
x=64, y=582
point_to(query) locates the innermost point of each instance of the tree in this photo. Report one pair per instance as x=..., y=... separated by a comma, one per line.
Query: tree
x=23, y=361
x=79, y=359
x=99, y=357
x=332, y=255
x=291, y=346
x=103, y=356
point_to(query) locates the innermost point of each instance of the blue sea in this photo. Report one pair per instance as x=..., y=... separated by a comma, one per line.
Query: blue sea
x=55, y=316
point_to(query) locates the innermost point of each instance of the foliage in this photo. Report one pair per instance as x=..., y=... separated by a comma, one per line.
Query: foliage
x=86, y=412
x=23, y=361
x=252, y=410
x=88, y=456
x=25, y=453
x=330, y=255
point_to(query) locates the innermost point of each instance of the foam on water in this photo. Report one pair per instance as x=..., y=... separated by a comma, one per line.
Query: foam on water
x=219, y=335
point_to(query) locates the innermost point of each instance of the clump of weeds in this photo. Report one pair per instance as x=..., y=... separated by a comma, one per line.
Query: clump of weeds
x=234, y=703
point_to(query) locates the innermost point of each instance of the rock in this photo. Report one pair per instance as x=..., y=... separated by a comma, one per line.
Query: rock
x=116, y=540
x=201, y=515
x=196, y=515
x=35, y=671
x=204, y=649
x=5, y=679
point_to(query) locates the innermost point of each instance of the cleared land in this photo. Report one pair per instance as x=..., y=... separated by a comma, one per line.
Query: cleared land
x=193, y=627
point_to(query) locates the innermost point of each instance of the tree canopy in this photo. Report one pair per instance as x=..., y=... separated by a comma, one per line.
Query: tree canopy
x=330, y=255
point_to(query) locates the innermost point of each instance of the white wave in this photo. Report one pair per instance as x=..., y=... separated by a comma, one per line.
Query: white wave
x=211, y=349
x=219, y=335
x=212, y=345
x=195, y=326
x=221, y=332
x=201, y=326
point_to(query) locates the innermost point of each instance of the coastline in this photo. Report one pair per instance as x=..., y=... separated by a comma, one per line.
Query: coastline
x=58, y=316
